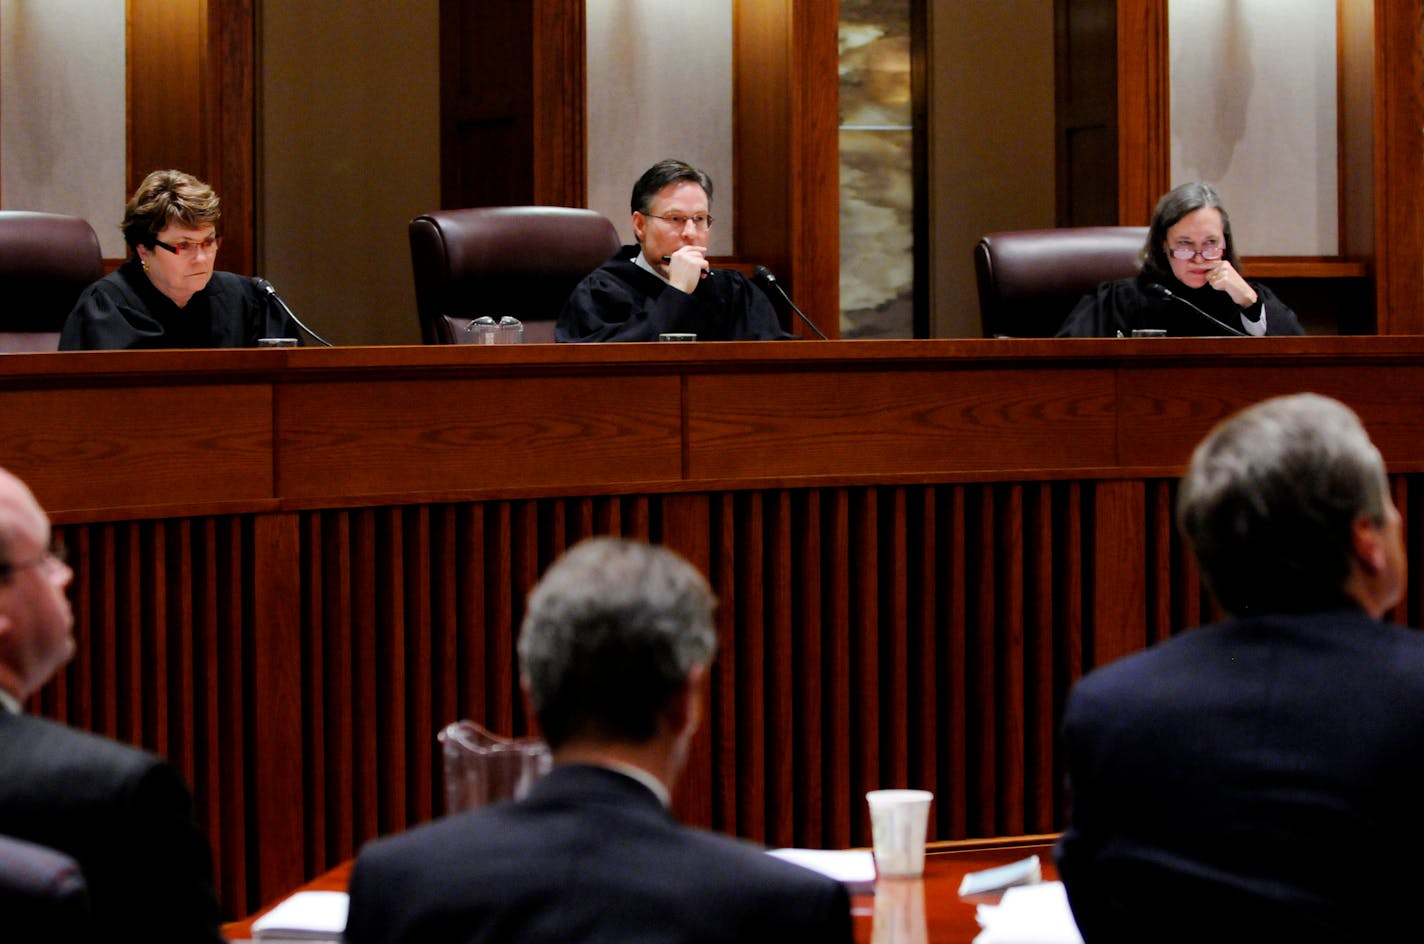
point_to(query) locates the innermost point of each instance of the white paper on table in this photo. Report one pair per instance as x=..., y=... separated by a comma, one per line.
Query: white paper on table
x=854, y=868
x=1029, y=914
x=1023, y=872
x=305, y=916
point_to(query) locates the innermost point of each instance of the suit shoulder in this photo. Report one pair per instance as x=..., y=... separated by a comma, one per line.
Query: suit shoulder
x=60, y=745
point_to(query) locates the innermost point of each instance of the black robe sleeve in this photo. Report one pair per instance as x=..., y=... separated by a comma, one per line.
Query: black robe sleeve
x=1117, y=308
x=621, y=302
x=124, y=311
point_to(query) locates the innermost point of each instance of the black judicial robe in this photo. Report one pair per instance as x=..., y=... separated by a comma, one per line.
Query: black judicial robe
x=1119, y=307
x=124, y=310
x=618, y=301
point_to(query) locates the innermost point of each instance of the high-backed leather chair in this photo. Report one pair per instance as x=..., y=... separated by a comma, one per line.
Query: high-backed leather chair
x=43, y=897
x=1029, y=280
x=521, y=261
x=46, y=260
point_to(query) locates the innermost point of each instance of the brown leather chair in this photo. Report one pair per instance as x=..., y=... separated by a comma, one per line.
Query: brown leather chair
x=521, y=261
x=46, y=260
x=1029, y=280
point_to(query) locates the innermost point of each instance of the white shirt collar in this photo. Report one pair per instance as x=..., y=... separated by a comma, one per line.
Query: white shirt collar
x=10, y=703
x=642, y=262
x=659, y=789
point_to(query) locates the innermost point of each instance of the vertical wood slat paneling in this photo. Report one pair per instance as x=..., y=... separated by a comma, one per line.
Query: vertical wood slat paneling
x=871, y=636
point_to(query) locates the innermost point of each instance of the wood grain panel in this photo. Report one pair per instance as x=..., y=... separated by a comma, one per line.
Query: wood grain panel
x=93, y=448
x=913, y=421
x=347, y=439
x=1399, y=166
x=1165, y=412
x=1144, y=124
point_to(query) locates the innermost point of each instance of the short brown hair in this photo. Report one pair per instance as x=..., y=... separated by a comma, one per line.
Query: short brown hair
x=164, y=197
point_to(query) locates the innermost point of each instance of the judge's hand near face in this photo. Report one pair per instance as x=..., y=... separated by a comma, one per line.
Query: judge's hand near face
x=663, y=283
x=676, y=226
x=1190, y=253
x=1196, y=249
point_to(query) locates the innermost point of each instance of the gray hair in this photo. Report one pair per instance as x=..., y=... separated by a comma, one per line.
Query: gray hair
x=1270, y=499
x=611, y=632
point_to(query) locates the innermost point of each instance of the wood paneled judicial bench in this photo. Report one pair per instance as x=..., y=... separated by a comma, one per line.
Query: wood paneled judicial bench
x=293, y=567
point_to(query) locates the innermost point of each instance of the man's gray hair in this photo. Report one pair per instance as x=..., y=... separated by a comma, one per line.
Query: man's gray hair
x=611, y=632
x=1270, y=499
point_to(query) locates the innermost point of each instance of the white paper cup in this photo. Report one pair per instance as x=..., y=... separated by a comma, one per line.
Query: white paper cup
x=898, y=819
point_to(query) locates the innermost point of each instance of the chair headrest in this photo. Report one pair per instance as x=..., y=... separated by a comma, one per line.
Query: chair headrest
x=1029, y=280
x=521, y=261
x=46, y=260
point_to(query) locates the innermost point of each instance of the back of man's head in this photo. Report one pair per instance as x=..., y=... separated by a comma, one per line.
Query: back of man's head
x=611, y=633
x=1270, y=500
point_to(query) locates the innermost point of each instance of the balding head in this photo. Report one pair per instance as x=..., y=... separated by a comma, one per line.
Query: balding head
x=36, y=622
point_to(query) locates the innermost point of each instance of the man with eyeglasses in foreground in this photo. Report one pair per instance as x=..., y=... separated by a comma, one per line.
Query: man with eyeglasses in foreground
x=124, y=814
x=664, y=284
x=167, y=294
x=1190, y=284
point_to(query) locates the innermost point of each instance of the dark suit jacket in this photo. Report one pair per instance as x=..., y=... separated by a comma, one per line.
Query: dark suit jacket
x=42, y=896
x=124, y=815
x=590, y=855
x=1259, y=779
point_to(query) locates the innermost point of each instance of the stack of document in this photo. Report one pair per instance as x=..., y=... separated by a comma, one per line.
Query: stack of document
x=853, y=868
x=1029, y=914
x=304, y=918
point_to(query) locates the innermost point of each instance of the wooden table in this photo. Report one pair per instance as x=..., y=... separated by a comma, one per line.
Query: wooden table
x=932, y=903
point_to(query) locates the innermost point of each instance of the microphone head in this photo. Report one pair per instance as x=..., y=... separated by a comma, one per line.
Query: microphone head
x=1158, y=289
x=264, y=285
x=763, y=273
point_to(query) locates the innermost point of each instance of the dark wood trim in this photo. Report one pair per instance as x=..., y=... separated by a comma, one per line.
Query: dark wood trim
x=560, y=80
x=1143, y=116
x=786, y=148
x=921, y=314
x=231, y=64
x=1399, y=166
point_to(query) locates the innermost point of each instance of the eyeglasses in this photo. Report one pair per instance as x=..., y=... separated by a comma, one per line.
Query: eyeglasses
x=54, y=555
x=188, y=248
x=699, y=222
x=1208, y=253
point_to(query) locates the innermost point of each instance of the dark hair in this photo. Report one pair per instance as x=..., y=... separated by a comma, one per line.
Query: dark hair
x=1270, y=500
x=164, y=197
x=1175, y=204
x=660, y=175
x=612, y=631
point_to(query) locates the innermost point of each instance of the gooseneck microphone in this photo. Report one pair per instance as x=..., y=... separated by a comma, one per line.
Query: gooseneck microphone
x=764, y=274
x=266, y=286
x=1165, y=293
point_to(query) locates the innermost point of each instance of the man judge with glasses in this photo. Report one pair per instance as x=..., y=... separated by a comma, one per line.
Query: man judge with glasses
x=664, y=284
x=1190, y=283
x=167, y=294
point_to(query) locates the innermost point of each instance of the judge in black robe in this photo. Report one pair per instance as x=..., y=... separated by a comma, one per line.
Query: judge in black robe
x=167, y=295
x=124, y=310
x=664, y=284
x=621, y=301
x=1190, y=283
x=1117, y=308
